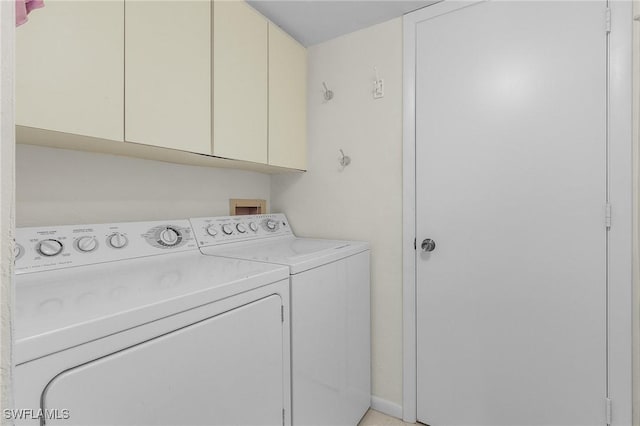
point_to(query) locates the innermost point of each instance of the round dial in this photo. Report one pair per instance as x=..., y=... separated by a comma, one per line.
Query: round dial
x=87, y=243
x=227, y=229
x=18, y=251
x=272, y=224
x=211, y=230
x=241, y=228
x=253, y=227
x=169, y=236
x=117, y=240
x=49, y=247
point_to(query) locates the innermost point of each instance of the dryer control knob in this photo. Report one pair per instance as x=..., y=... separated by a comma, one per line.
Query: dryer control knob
x=227, y=229
x=117, y=240
x=18, y=251
x=87, y=244
x=241, y=228
x=272, y=224
x=49, y=247
x=169, y=236
x=253, y=227
x=211, y=230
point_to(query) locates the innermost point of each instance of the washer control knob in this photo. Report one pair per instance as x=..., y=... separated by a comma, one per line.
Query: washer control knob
x=227, y=229
x=87, y=244
x=117, y=240
x=272, y=224
x=241, y=228
x=253, y=227
x=211, y=230
x=169, y=236
x=49, y=247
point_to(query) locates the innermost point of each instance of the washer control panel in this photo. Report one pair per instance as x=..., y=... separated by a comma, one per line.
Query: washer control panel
x=46, y=248
x=211, y=231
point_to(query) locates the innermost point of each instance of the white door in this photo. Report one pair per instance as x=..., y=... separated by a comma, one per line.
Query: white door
x=511, y=186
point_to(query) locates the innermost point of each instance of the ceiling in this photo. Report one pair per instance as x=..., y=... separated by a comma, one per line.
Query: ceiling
x=314, y=21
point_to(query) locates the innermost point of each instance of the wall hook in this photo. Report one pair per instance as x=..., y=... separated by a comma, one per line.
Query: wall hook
x=378, y=85
x=328, y=94
x=345, y=160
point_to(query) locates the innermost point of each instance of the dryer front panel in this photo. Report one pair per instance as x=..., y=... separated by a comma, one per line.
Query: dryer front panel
x=224, y=370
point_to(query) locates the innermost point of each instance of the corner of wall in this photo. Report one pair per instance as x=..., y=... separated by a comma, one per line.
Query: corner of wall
x=362, y=201
x=7, y=200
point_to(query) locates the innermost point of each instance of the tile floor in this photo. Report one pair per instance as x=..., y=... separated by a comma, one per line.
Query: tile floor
x=376, y=418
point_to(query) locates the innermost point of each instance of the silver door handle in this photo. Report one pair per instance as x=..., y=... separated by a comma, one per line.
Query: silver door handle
x=428, y=244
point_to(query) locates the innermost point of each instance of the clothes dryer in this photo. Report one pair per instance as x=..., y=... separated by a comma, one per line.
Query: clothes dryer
x=128, y=324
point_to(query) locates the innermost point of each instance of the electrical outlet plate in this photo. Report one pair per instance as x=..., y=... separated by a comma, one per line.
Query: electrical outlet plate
x=378, y=89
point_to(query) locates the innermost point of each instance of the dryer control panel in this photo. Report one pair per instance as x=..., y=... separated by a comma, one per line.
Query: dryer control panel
x=210, y=231
x=56, y=247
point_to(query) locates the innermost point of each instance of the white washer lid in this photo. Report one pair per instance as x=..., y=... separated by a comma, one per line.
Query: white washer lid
x=300, y=254
x=59, y=309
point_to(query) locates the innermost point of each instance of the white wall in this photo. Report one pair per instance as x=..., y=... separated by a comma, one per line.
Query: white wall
x=362, y=202
x=63, y=187
x=7, y=145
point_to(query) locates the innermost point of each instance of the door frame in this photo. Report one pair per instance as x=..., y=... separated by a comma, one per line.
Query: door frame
x=619, y=289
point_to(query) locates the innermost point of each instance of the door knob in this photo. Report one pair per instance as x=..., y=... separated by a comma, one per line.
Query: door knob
x=428, y=244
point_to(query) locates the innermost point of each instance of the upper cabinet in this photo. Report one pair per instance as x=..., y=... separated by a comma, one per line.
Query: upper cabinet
x=69, y=62
x=287, y=101
x=240, y=82
x=194, y=76
x=168, y=74
x=259, y=89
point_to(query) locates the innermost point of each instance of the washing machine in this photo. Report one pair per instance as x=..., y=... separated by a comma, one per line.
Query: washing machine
x=330, y=310
x=129, y=324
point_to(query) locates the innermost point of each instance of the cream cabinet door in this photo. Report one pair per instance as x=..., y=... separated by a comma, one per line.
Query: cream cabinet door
x=69, y=62
x=239, y=82
x=168, y=74
x=287, y=101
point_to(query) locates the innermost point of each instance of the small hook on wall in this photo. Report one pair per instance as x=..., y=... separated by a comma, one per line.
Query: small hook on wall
x=378, y=85
x=345, y=160
x=328, y=94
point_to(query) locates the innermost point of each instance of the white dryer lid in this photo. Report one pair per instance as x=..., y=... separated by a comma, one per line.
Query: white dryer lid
x=300, y=254
x=59, y=309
